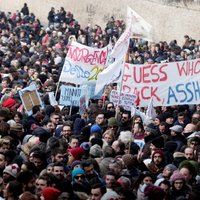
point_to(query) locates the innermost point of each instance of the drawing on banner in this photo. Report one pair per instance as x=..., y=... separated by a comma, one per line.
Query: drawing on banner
x=172, y=83
x=127, y=101
x=70, y=96
x=30, y=97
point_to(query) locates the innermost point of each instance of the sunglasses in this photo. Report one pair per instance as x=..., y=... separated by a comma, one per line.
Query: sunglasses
x=79, y=177
x=113, y=126
x=110, y=107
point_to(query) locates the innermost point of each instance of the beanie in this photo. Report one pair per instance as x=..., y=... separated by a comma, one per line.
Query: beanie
x=112, y=122
x=76, y=171
x=12, y=169
x=77, y=152
x=158, y=142
x=158, y=152
x=171, y=167
x=110, y=194
x=8, y=103
x=85, y=146
x=50, y=193
x=75, y=163
x=177, y=176
x=128, y=160
x=95, y=129
x=154, y=192
x=96, y=151
x=124, y=182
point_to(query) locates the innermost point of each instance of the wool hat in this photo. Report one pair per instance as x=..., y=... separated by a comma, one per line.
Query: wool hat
x=158, y=142
x=158, y=152
x=176, y=128
x=95, y=129
x=152, y=128
x=86, y=146
x=154, y=192
x=171, y=167
x=12, y=169
x=96, y=151
x=75, y=163
x=8, y=103
x=50, y=193
x=109, y=195
x=77, y=152
x=76, y=171
x=112, y=122
x=177, y=176
x=128, y=160
x=124, y=182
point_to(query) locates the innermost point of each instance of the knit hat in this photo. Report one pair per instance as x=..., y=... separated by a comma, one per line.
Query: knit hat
x=176, y=128
x=86, y=146
x=112, y=122
x=50, y=193
x=75, y=163
x=177, y=176
x=158, y=142
x=77, y=152
x=12, y=169
x=158, y=152
x=154, y=192
x=77, y=171
x=109, y=195
x=152, y=128
x=96, y=151
x=8, y=103
x=128, y=160
x=95, y=129
x=124, y=182
x=171, y=167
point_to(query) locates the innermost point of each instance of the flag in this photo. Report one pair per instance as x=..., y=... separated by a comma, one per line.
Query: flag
x=111, y=74
x=114, y=72
x=151, y=113
x=140, y=28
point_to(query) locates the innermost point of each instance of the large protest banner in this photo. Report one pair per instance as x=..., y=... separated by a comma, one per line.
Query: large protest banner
x=70, y=96
x=172, y=83
x=30, y=97
x=123, y=99
x=83, y=64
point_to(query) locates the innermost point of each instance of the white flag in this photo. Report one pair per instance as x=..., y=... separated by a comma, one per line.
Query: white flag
x=140, y=28
x=111, y=74
x=151, y=113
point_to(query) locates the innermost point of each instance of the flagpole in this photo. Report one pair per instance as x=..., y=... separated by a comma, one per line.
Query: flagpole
x=120, y=91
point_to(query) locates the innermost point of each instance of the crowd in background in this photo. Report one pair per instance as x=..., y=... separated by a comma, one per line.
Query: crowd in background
x=100, y=155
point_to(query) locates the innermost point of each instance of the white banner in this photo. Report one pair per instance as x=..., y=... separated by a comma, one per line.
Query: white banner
x=172, y=83
x=83, y=64
x=127, y=101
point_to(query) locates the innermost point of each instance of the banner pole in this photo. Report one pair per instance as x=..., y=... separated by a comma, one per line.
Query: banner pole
x=120, y=91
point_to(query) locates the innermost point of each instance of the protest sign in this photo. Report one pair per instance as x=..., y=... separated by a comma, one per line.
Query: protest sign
x=127, y=101
x=70, y=96
x=83, y=64
x=30, y=97
x=172, y=83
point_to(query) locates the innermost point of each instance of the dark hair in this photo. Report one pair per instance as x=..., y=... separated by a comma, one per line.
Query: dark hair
x=35, y=109
x=15, y=188
x=101, y=186
x=56, y=151
x=86, y=163
x=25, y=177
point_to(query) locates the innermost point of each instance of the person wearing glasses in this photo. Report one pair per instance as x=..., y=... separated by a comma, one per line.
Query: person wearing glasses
x=79, y=182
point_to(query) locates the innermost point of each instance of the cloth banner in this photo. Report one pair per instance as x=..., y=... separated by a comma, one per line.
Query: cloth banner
x=174, y=83
x=83, y=64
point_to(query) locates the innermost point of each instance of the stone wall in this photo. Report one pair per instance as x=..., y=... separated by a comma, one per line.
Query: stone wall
x=170, y=19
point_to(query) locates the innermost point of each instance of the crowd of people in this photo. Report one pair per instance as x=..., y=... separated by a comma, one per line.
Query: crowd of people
x=103, y=154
